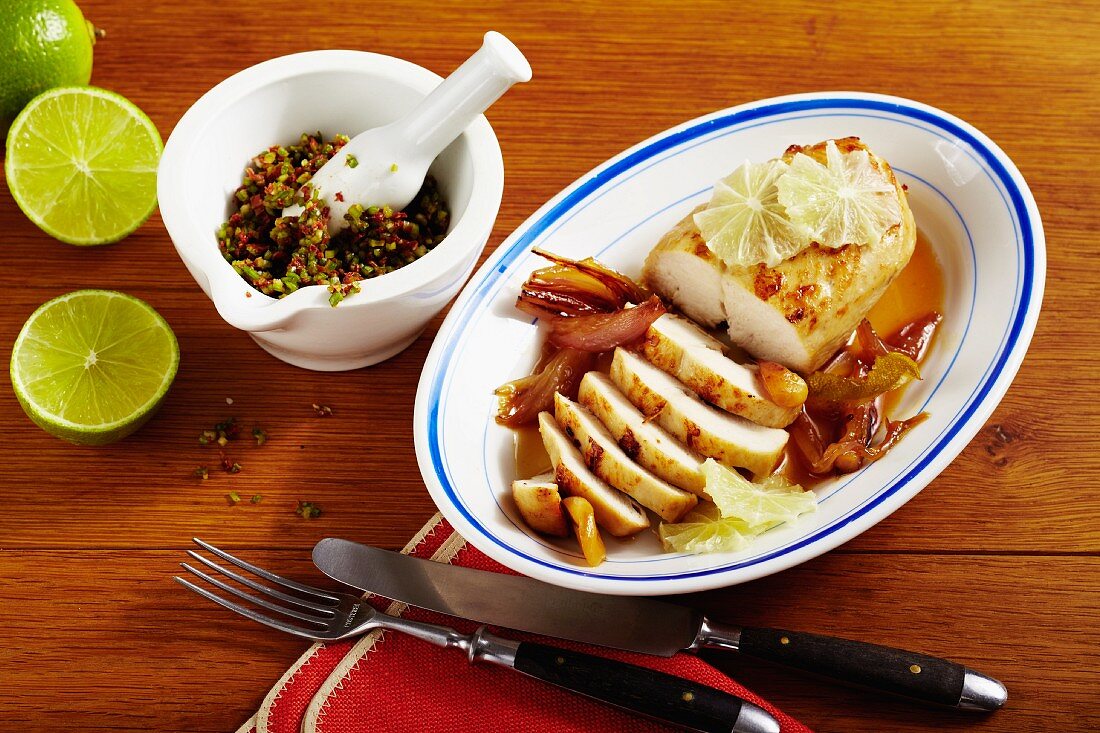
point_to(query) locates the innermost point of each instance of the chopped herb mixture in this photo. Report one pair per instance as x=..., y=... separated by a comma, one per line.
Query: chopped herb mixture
x=307, y=510
x=277, y=255
x=221, y=435
x=321, y=411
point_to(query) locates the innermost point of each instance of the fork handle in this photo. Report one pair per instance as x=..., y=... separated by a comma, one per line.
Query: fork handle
x=639, y=690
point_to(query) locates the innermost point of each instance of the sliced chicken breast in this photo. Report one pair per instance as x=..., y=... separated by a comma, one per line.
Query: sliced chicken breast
x=539, y=504
x=643, y=440
x=683, y=270
x=616, y=512
x=728, y=439
x=799, y=312
x=679, y=347
x=606, y=459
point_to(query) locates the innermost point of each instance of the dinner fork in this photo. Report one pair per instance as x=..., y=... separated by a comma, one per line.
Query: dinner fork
x=329, y=616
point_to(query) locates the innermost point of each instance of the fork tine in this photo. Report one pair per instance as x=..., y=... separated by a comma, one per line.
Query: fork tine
x=254, y=599
x=327, y=609
x=248, y=612
x=277, y=579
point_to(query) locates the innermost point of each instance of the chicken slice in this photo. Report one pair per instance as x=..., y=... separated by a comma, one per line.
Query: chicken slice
x=679, y=347
x=799, y=312
x=606, y=459
x=643, y=440
x=728, y=439
x=615, y=511
x=539, y=504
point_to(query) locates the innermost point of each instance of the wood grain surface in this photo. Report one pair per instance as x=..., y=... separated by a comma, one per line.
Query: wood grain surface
x=995, y=564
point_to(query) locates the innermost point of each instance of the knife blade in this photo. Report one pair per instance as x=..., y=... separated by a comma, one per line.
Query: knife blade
x=645, y=625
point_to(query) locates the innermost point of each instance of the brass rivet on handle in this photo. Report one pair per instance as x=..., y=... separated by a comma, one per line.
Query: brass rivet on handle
x=560, y=660
x=688, y=696
x=784, y=640
x=914, y=668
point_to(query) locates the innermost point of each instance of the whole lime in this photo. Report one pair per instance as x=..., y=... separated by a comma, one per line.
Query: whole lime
x=47, y=44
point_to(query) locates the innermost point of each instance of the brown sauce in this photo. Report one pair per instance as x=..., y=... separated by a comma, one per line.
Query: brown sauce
x=917, y=290
x=531, y=456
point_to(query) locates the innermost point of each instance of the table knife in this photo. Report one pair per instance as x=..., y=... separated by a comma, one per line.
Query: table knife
x=646, y=625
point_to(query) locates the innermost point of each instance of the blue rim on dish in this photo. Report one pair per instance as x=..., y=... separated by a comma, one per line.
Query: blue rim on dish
x=1010, y=351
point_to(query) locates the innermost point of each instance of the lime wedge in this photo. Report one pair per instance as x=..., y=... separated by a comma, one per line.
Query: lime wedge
x=848, y=201
x=93, y=365
x=82, y=164
x=744, y=223
x=772, y=501
x=741, y=511
x=705, y=530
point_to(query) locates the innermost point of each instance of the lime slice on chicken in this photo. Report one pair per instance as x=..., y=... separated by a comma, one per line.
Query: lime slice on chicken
x=744, y=223
x=846, y=201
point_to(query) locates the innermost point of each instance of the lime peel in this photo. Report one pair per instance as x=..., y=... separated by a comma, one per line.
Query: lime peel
x=741, y=511
x=890, y=371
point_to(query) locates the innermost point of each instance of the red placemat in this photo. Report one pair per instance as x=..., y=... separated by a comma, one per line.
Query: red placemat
x=395, y=683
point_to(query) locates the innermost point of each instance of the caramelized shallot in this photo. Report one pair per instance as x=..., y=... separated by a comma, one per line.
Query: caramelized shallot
x=785, y=388
x=598, y=332
x=913, y=338
x=520, y=401
x=575, y=288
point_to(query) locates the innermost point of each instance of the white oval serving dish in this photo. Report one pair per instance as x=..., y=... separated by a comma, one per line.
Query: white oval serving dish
x=968, y=198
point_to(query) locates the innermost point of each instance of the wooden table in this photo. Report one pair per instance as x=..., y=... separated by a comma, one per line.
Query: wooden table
x=994, y=564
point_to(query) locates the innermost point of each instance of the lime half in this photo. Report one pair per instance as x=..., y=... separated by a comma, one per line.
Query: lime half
x=93, y=365
x=82, y=164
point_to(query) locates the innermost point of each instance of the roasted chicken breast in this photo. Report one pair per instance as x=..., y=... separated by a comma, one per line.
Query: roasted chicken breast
x=799, y=312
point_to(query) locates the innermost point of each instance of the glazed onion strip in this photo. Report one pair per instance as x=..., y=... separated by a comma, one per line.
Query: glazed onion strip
x=913, y=338
x=575, y=288
x=520, y=401
x=847, y=454
x=599, y=332
x=620, y=286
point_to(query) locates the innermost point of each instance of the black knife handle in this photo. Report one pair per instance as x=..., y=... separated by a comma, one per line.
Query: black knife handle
x=643, y=691
x=918, y=676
